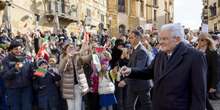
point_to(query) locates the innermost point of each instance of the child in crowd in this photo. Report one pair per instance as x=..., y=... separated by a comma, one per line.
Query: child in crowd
x=106, y=86
x=45, y=86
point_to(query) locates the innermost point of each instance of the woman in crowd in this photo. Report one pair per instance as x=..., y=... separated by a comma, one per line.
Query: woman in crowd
x=207, y=46
x=70, y=67
x=106, y=86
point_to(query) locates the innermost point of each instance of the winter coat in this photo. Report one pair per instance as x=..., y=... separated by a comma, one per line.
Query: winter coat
x=179, y=81
x=46, y=85
x=16, y=78
x=68, y=67
x=212, y=76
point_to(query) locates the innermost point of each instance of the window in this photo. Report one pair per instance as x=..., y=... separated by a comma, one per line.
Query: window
x=121, y=6
x=218, y=3
x=63, y=6
x=56, y=7
x=102, y=18
x=155, y=15
x=166, y=8
x=73, y=11
x=88, y=12
x=142, y=8
x=213, y=10
x=155, y=2
x=215, y=27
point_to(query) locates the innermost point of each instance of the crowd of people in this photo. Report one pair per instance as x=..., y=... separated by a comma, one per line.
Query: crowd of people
x=170, y=70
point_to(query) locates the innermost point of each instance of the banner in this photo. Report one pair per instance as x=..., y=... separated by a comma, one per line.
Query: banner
x=205, y=28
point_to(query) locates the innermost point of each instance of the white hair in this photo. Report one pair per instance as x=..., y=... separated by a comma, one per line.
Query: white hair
x=176, y=30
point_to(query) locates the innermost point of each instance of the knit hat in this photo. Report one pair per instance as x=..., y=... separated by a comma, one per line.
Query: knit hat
x=53, y=58
x=14, y=44
x=41, y=61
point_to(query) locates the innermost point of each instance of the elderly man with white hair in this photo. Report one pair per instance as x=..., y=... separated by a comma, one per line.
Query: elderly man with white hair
x=178, y=72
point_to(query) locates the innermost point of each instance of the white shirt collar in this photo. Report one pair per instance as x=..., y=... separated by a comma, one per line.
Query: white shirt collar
x=139, y=43
x=170, y=54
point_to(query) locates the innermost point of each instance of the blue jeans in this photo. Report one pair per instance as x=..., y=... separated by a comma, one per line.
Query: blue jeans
x=19, y=98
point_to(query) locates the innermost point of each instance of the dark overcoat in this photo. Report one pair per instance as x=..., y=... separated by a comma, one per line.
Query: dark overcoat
x=179, y=81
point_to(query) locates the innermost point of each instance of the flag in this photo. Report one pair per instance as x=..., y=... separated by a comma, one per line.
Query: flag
x=86, y=37
x=42, y=53
x=99, y=49
x=40, y=72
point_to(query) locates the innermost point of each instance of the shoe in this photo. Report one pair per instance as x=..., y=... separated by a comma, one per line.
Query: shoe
x=217, y=96
x=212, y=96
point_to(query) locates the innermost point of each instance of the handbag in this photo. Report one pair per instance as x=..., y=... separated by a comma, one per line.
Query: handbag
x=81, y=78
x=106, y=86
x=83, y=83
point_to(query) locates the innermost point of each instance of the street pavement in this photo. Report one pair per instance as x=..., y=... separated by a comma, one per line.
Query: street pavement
x=216, y=104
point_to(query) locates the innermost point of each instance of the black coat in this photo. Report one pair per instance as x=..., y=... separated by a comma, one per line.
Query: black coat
x=46, y=86
x=46, y=89
x=180, y=82
x=2, y=96
x=212, y=76
x=14, y=78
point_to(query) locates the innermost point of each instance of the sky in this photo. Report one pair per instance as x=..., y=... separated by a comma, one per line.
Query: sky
x=188, y=13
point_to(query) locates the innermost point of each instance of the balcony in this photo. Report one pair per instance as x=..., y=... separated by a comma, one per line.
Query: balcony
x=205, y=17
x=205, y=11
x=149, y=21
x=149, y=5
x=64, y=11
x=212, y=17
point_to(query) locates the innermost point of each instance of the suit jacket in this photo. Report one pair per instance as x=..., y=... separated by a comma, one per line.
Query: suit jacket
x=179, y=82
x=139, y=59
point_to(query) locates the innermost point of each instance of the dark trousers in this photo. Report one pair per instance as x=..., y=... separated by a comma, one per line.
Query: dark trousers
x=2, y=96
x=120, y=94
x=209, y=105
x=48, y=102
x=138, y=99
x=91, y=101
x=19, y=98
